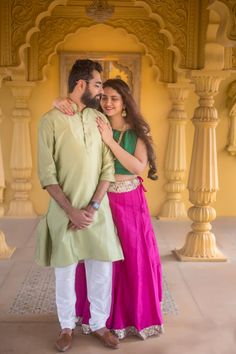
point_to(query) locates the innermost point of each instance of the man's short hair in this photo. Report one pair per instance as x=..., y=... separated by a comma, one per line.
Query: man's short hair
x=82, y=70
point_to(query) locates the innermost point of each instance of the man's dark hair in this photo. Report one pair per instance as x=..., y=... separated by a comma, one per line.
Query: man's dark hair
x=82, y=70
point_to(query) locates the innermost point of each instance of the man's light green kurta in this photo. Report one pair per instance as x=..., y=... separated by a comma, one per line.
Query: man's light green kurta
x=72, y=154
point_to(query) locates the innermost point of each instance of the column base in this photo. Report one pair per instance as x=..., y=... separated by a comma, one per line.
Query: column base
x=21, y=209
x=219, y=257
x=173, y=209
x=5, y=251
x=1, y=210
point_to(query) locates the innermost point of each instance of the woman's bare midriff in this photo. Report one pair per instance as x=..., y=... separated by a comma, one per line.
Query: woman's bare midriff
x=124, y=177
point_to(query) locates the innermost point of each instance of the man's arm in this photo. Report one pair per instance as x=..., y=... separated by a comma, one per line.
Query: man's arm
x=98, y=195
x=79, y=218
x=48, y=174
x=97, y=198
x=106, y=176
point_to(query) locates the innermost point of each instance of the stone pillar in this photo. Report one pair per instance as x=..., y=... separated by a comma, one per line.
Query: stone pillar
x=231, y=147
x=21, y=159
x=175, y=162
x=200, y=243
x=2, y=175
x=5, y=251
x=231, y=100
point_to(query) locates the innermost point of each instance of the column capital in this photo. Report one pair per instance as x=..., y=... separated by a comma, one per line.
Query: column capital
x=21, y=88
x=207, y=81
x=179, y=91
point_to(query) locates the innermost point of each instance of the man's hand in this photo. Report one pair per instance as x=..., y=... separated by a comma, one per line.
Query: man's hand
x=79, y=219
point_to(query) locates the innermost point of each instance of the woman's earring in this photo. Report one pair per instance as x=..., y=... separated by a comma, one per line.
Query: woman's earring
x=124, y=114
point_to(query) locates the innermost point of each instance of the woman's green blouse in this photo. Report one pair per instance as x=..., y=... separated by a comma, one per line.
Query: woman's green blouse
x=128, y=142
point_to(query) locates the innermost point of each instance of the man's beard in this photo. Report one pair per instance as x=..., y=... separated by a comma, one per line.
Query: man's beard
x=89, y=101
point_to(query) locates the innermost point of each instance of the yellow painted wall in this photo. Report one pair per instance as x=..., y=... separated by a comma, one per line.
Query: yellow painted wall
x=154, y=104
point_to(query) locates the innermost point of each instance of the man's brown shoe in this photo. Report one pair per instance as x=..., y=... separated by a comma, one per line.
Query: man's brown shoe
x=107, y=338
x=64, y=341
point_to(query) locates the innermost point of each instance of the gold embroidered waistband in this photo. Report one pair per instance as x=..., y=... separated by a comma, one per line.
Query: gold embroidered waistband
x=124, y=186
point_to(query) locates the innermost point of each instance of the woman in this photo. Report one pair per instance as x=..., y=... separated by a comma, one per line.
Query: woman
x=137, y=282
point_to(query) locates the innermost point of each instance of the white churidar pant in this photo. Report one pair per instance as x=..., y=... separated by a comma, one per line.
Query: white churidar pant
x=99, y=283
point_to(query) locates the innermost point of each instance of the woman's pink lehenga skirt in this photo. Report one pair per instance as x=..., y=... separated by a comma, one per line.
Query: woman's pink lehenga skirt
x=137, y=281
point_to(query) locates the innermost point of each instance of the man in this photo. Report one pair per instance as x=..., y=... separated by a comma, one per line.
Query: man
x=76, y=168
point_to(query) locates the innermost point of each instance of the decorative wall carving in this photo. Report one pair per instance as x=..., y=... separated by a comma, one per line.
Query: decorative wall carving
x=174, y=14
x=23, y=16
x=18, y=19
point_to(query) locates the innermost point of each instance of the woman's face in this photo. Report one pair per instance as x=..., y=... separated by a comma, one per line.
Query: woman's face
x=111, y=102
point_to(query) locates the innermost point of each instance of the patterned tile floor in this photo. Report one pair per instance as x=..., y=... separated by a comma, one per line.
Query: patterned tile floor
x=199, y=307
x=36, y=294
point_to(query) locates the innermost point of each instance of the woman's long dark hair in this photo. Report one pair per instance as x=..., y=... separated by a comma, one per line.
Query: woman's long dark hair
x=135, y=121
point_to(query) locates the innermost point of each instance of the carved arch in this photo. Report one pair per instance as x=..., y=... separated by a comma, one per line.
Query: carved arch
x=44, y=47
x=176, y=19
x=19, y=20
x=45, y=9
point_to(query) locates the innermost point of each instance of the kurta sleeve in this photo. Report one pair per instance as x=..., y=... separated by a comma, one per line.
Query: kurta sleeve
x=46, y=164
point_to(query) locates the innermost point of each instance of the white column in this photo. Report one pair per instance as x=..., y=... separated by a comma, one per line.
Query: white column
x=175, y=162
x=200, y=243
x=21, y=158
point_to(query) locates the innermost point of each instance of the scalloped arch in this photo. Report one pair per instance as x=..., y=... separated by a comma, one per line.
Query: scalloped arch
x=35, y=28
x=130, y=35
x=165, y=31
